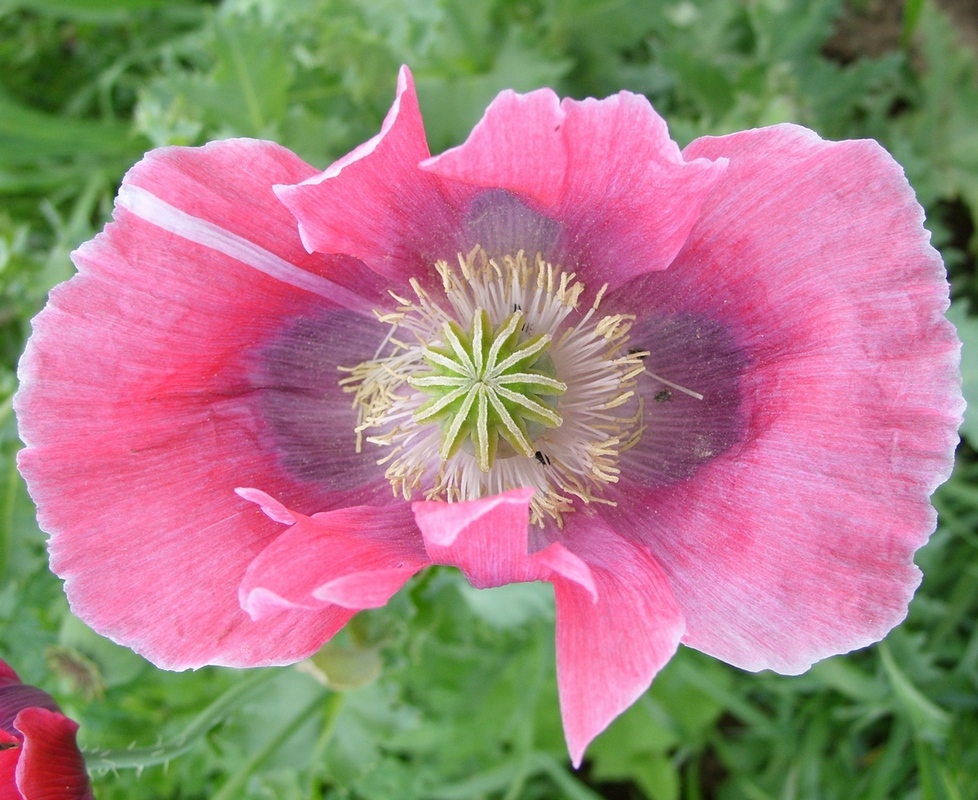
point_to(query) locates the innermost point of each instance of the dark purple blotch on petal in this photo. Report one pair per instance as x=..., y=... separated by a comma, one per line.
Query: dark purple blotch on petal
x=503, y=225
x=683, y=432
x=309, y=419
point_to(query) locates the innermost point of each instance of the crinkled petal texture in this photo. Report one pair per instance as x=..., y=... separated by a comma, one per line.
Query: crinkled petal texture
x=605, y=171
x=156, y=382
x=796, y=541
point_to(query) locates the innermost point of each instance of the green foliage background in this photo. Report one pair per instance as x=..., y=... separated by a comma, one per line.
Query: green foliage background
x=450, y=693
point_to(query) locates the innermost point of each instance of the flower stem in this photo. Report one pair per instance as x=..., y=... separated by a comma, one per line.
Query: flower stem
x=331, y=711
x=139, y=757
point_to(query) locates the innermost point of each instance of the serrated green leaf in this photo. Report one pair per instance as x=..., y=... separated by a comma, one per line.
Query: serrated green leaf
x=246, y=91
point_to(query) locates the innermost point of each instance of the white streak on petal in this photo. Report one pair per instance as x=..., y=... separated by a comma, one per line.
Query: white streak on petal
x=149, y=207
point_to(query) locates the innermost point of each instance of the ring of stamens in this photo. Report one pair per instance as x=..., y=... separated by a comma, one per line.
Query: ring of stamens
x=501, y=383
x=485, y=384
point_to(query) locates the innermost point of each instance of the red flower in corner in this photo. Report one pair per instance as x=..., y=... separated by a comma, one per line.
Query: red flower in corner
x=706, y=394
x=38, y=755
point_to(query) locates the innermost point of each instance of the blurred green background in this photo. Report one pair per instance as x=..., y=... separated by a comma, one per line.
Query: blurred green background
x=450, y=693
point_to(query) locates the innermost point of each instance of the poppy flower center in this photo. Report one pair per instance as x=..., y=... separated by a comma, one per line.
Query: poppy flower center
x=487, y=384
x=500, y=381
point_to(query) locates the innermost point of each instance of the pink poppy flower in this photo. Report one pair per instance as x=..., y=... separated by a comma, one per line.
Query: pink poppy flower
x=39, y=758
x=704, y=393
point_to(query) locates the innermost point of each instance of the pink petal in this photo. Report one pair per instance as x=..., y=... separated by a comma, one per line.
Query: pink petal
x=797, y=542
x=622, y=162
x=212, y=197
x=487, y=539
x=606, y=170
x=518, y=145
x=271, y=507
x=50, y=765
x=610, y=645
x=617, y=622
x=502, y=224
x=339, y=561
x=561, y=561
x=143, y=406
x=374, y=203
